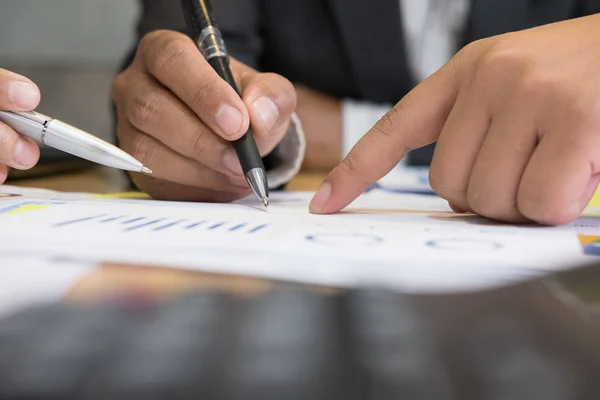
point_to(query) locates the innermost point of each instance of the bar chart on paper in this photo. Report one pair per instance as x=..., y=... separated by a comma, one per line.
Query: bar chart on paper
x=286, y=242
x=138, y=223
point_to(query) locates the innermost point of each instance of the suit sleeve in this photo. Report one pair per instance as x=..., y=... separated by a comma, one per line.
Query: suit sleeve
x=588, y=7
x=240, y=24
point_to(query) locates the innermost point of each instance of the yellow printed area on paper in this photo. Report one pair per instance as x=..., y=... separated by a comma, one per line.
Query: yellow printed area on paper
x=27, y=208
x=124, y=195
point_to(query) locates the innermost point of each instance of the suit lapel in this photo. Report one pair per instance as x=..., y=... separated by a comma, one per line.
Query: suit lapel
x=371, y=34
x=494, y=17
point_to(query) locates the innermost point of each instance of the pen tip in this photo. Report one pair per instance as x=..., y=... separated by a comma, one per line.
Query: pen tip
x=265, y=201
x=146, y=170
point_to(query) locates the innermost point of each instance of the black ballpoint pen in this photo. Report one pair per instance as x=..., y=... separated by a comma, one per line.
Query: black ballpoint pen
x=200, y=21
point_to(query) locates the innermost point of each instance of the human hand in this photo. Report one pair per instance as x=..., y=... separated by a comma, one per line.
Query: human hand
x=17, y=93
x=517, y=123
x=177, y=116
x=321, y=117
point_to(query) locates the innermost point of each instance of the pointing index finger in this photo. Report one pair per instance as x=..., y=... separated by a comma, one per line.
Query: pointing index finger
x=414, y=122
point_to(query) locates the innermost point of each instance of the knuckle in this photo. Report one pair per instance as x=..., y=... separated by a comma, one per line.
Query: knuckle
x=198, y=146
x=141, y=148
x=479, y=202
x=351, y=168
x=440, y=184
x=444, y=183
x=534, y=206
x=468, y=51
x=205, y=92
x=144, y=108
x=498, y=61
x=534, y=211
x=163, y=52
x=532, y=86
x=280, y=89
x=582, y=106
x=391, y=121
x=436, y=181
x=118, y=87
x=543, y=209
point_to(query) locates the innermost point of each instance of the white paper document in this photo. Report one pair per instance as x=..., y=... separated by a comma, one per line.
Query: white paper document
x=405, y=241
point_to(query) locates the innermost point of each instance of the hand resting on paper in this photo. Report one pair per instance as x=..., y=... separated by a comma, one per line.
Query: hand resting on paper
x=177, y=116
x=17, y=93
x=517, y=123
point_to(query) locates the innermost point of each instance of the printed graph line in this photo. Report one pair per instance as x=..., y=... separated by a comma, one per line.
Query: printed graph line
x=128, y=223
x=76, y=221
x=111, y=219
x=169, y=225
x=194, y=225
x=258, y=228
x=217, y=225
x=237, y=227
x=133, y=228
x=131, y=221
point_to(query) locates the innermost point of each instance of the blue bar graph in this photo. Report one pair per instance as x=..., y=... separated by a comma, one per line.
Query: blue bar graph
x=129, y=223
x=169, y=225
x=145, y=224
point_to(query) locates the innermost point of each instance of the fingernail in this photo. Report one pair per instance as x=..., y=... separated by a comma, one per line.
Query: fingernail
x=23, y=95
x=232, y=163
x=321, y=198
x=267, y=110
x=229, y=119
x=25, y=154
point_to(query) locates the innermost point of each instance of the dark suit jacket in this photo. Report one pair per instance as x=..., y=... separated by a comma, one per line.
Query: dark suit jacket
x=347, y=48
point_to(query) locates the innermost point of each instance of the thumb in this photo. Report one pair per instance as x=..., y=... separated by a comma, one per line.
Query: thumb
x=17, y=93
x=414, y=122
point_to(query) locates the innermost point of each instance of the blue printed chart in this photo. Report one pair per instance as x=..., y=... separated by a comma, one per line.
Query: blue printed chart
x=137, y=223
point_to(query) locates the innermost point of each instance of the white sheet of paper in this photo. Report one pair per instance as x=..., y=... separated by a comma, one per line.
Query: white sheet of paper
x=410, y=242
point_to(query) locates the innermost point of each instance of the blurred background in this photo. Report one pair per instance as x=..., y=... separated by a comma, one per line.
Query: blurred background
x=72, y=50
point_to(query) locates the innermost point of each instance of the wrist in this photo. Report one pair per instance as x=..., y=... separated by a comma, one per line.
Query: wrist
x=321, y=117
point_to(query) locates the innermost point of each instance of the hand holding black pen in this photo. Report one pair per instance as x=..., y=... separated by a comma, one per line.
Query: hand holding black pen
x=198, y=15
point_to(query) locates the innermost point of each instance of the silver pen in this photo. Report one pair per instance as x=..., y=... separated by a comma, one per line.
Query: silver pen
x=67, y=138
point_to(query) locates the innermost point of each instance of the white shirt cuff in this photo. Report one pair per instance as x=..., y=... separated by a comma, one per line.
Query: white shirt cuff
x=290, y=152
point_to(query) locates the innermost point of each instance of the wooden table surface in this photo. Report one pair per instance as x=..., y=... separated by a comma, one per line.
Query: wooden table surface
x=114, y=280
